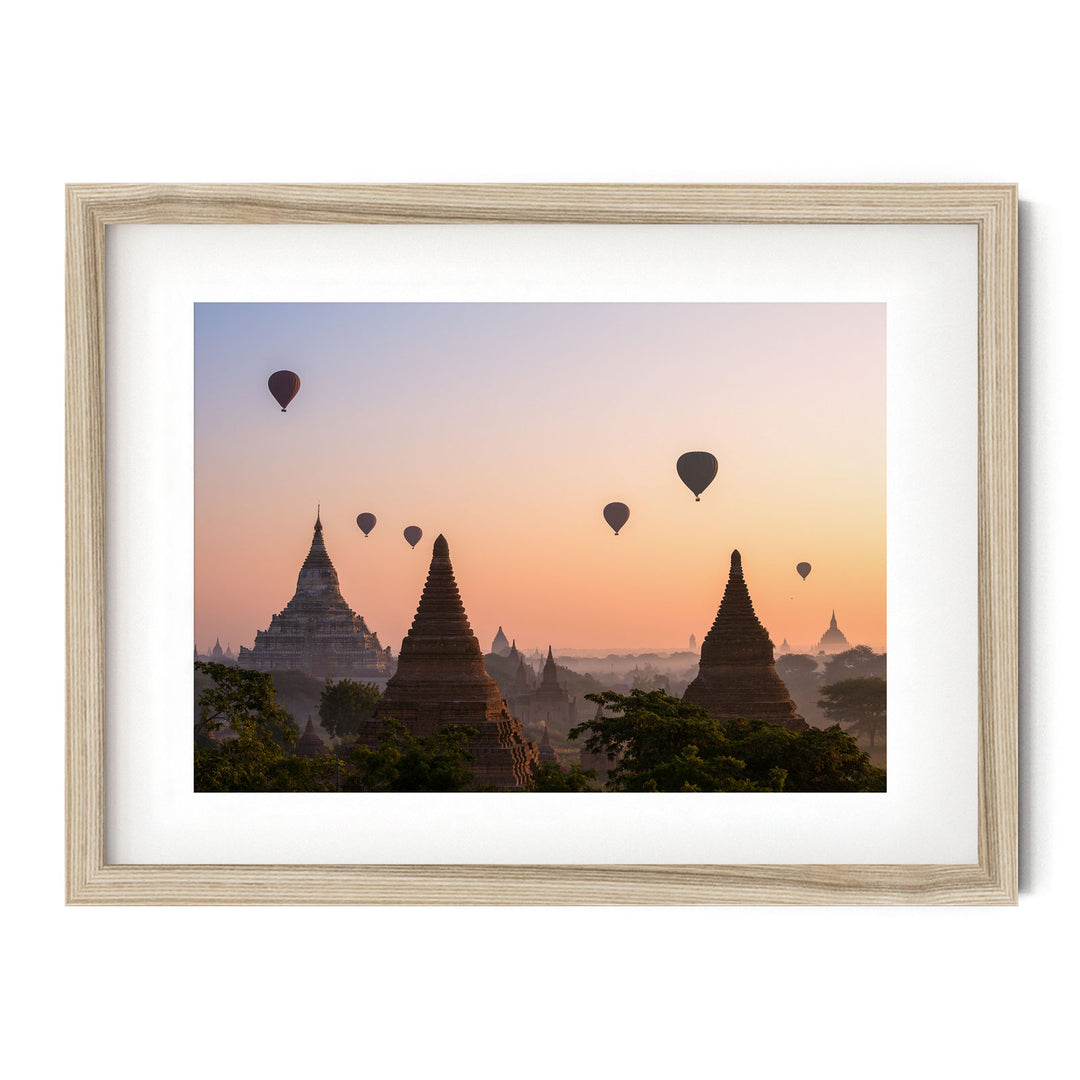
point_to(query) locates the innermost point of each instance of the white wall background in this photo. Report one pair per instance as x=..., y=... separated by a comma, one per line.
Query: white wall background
x=833, y=91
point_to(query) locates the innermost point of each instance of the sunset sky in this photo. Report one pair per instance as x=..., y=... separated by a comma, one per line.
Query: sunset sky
x=508, y=427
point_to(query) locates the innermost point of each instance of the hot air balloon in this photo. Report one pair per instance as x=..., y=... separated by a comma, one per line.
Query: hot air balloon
x=366, y=522
x=803, y=569
x=616, y=515
x=284, y=385
x=413, y=533
x=697, y=470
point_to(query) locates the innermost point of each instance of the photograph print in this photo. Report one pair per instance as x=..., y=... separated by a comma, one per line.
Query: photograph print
x=540, y=547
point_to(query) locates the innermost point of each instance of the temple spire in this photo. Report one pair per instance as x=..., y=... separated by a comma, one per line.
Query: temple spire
x=441, y=679
x=551, y=672
x=736, y=676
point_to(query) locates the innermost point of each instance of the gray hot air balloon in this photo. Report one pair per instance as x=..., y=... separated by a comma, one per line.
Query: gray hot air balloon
x=413, y=533
x=616, y=515
x=697, y=470
x=803, y=569
x=366, y=522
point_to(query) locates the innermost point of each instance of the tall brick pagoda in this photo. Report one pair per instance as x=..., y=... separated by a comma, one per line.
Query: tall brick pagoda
x=736, y=676
x=441, y=679
x=317, y=632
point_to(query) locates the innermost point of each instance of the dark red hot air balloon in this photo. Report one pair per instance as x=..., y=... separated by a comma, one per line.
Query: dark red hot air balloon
x=697, y=470
x=284, y=385
x=413, y=533
x=366, y=522
x=803, y=569
x=616, y=515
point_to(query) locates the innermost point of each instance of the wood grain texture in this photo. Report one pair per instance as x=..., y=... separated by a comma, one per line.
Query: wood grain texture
x=993, y=208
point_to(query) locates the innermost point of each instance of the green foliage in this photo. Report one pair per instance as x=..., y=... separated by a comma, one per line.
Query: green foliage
x=662, y=743
x=859, y=703
x=345, y=704
x=858, y=663
x=405, y=762
x=244, y=740
x=550, y=776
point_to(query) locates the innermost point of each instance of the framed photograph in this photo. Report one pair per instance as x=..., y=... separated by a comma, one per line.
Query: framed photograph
x=541, y=544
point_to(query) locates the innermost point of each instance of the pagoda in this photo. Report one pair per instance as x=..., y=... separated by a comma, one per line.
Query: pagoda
x=736, y=676
x=500, y=646
x=547, y=751
x=441, y=679
x=833, y=640
x=317, y=632
x=544, y=703
x=310, y=744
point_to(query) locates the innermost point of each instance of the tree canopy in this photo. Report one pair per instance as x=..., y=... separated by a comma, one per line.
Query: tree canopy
x=662, y=743
x=244, y=740
x=857, y=663
x=550, y=776
x=345, y=704
x=859, y=703
x=405, y=762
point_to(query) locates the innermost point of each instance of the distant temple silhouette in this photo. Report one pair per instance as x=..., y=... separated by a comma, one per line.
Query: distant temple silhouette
x=317, y=632
x=736, y=676
x=310, y=744
x=832, y=641
x=441, y=679
x=543, y=702
x=217, y=655
x=547, y=751
x=500, y=646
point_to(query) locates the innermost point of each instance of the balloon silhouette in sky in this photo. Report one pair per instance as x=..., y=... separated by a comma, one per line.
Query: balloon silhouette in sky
x=697, y=470
x=803, y=569
x=366, y=522
x=616, y=515
x=413, y=533
x=284, y=385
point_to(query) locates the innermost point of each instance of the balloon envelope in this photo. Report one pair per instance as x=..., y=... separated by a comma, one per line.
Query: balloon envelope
x=413, y=534
x=697, y=470
x=616, y=515
x=803, y=569
x=366, y=522
x=284, y=386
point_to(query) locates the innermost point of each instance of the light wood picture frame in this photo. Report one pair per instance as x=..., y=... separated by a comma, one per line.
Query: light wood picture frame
x=992, y=208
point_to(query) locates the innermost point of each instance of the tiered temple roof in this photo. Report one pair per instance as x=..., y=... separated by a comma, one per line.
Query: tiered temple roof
x=548, y=702
x=500, y=646
x=317, y=632
x=441, y=679
x=736, y=676
x=833, y=640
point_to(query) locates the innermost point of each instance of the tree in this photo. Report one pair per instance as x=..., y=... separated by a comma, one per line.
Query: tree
x=550, y=776
x=860, y=662
x=244, y=739
x=345, y=704
x=859, y=703
x=405, y=762
x=662, y=743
